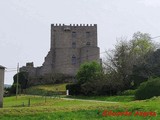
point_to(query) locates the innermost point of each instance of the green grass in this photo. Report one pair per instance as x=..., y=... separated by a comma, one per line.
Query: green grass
x=48, y=90
x=60, y=109
x=76, y=115
x=55, y=87
x=106, y=98
x=21, y=100
x=52, y=104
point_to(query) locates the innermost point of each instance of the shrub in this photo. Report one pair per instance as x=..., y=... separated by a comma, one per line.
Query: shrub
x=128, y=92
x=22, y=79
x=12, y=90
x=148, y=89
x=74, y=89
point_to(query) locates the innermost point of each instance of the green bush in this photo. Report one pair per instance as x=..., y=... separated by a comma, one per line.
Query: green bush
x=127, y=92
x=148, y=89
x=74, y=89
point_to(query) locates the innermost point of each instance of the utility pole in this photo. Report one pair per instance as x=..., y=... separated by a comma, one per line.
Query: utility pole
x=17, y=81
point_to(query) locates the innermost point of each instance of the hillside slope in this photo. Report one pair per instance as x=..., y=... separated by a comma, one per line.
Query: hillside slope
x=48, y=90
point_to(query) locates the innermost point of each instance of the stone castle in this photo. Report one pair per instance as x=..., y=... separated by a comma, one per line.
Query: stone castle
x=71, y=45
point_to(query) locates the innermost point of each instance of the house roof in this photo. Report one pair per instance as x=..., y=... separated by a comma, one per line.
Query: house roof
x=1, y=67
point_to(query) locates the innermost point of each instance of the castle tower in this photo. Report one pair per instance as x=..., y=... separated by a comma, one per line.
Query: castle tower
x=71, y=45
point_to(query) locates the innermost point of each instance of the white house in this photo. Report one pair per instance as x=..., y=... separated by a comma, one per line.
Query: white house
x=1, y=85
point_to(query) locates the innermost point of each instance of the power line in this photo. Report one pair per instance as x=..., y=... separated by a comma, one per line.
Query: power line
x=10, y=70
x=155, y=37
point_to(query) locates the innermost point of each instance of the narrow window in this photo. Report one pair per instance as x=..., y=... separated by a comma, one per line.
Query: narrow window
x=73, y=34
x=87, y=34
x=87, y=57
x=73, y=44
x=73, y=59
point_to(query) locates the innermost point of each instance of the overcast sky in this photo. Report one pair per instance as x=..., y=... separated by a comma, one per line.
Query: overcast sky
x=25, y=25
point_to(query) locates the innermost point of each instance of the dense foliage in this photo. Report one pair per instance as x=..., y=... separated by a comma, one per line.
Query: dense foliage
x=148, y=89
x=22, y=79
x=88, y=71
x=74, y=89
x=89, y=80
x=22, y=82
x=148, y=68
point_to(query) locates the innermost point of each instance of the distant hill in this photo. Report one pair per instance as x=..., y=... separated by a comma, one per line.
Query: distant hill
x=7, y=86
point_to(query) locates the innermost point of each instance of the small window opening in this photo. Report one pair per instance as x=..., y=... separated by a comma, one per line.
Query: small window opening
x=73, y=45
x=73, y=34
x=87, y=34
x=73, y=59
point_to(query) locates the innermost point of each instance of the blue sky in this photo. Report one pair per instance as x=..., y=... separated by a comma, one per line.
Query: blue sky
x=25, y=25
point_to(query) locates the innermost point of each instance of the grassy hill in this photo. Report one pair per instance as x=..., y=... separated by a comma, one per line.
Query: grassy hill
x=61, y=109
x=48, y=90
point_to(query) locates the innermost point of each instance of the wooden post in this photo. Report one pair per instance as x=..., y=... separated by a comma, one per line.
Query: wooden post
x=17, y=81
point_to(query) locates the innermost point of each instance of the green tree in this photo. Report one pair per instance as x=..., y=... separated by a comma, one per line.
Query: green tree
x=88, y=71
x=93, y=81
x=90, y=78
x=148, y=68
x=141, y=44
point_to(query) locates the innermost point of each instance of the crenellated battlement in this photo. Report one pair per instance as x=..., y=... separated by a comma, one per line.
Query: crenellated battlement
x=79, y=25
